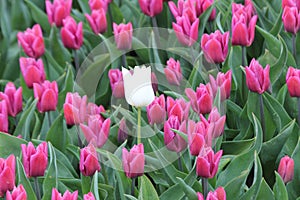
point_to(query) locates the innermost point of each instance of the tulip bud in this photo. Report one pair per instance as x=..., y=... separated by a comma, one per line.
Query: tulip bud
x=32, y=41
x=116, y=83
x=290, y=3
x=183, y=8
x=154, y=82
x=286, y=169
x=173, y=141
x=291, y=19
x=98, y=4
x=137, y=86
x=196, y=137
x=71, y=33
x=47, y=95
x=151, y=7
x=178, y=108
x=89, y=163
x=35, y=161
x=13, y=99
x=208, y=163
x=223, y=81
x=200, y=196
x=123, y=35
x=96, y=131
x=3, y=117
x=133, y=161
x=97, y=21
x=18, y=193
x=75, y=109
x=293, y=81
x=123, y=131
x=58, y=11
x=7, y=174
x=156, y=111
x=32, y=71
x=216, y=123
x=186, y=30
x=173, y=72
x=202, y=6
x=93, y=109
x=67, y=195
x=215, y=46
x=201, y=100
x=257, y=78
x=89, y=196
x=218, y=194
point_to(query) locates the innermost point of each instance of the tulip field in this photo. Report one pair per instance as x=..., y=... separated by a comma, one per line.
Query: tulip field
x=149, y=99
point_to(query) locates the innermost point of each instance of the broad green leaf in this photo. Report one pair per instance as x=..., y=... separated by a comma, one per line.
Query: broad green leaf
x=57, y=134
x=265, y=191
x=68, y=86
x=189, y=192
x=279, y=188
x=273, y=44
x=147, y=191
x=10, y=145
x=237, y=147
x=86, y=184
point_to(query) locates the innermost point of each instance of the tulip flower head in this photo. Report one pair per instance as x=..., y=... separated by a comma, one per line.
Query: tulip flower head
x=196, y=137
x=97, y=21
x=89, y=196
x=123, y=35
x=71, y=33
x=202, y=6
x=32, y=71
x=116, y=83
x=47, y=95
x=66, y=196
x=3, y=117
x=208, y=163
x=223, y=82
x=200, y=196
x=151, y=7
x=58, y=11
x=13, y=99
x=257, y=78
x=138, y=86
x=98, y=4
x=215, y=46
x=18, y=193
x=75, y=109
x=290, y=3
x=186, y=30
x=293, y=81
x=88, y=163
x=173, y=72
x=218, y=194
x=7, y=174
x=216, y=123
x=93, y=109
x=286, y=169
x=178, y=108
x=123, y=131
x=291, y=19
x=183, y=8
x=32, y=41
x=35, y=160
x=133, y=161
x=156, y=111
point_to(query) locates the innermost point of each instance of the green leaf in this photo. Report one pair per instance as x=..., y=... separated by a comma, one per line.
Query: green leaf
x=14, y=146
x=85, y=184
x=189, y=192
x=147, y=191
x=237, y=147
x=279, y=188
x=273, y=44
x=57, y=134
x=68, y=87
x=265, y=191
x=94, y=186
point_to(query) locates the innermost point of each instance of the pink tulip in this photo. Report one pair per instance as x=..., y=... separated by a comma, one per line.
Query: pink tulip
x=186, y=31
x=156, y=111
x=293, y=81
x=96, y=131
x=257, y=78
x=123, y=131
x=93, y=109
x=243, y=24
x=7, y=174
x=133, y=161
x=290, y=3
x=18, y=193
x=47, y=95
x=172, y=140
x=196, y=137
x=154, y=82
x=98, y=4
x=215, y=46
x=151, y=7
x=222, y=82
x=32, y=71
x=218, y=194
x=97, y=21
x=89, y=196
x=35, y=160
x=3, y=117
x=202, y=6
x=13, y=99
x=202, y=99
x=183, y=8
x=32, y=41
x=291, y=19
x=208, y=162
x=89, y=163
x=123, y=35
x=58, y=11
x=216, y=123
x=173, y=72
x=71, y=33
x=286, y=169
x=200, y=196
x=67, y=195
x=75, y=109
x=116, y=83
x=178, y=108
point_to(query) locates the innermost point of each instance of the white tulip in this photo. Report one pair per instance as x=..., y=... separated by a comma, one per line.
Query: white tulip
x=137, y=86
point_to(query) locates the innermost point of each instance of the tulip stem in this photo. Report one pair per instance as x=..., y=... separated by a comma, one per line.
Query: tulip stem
x=37, y=188
x=179, y=161
x=156, y=33
x=298, y=110
x=262, y=116
x=78, y=137
x=244, y=90
x=110, y=17
x=124, y=62
x=204, y=186
x=132, y=186
x=139, y=126
x=49, y=119
x=294, y=46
